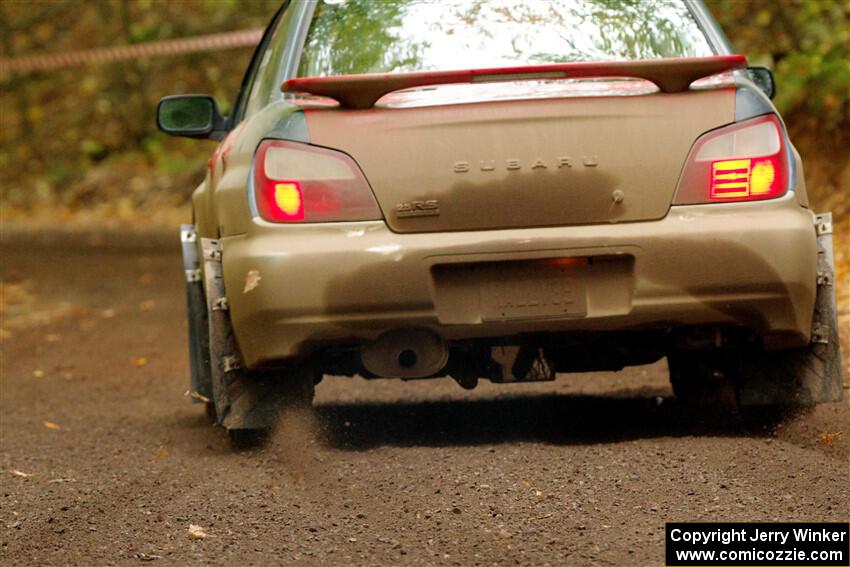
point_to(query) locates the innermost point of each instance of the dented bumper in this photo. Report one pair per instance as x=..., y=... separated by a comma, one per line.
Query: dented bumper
x=292, y=287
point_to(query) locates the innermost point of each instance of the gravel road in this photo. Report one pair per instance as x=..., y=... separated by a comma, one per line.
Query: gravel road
x=103, y=461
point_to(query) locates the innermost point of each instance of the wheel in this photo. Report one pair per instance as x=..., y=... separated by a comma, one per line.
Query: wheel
x=809, y=375
x=297, y=388
x=766, y=385
x=260, y=397
x=794, y=378
x=243, y=439
x=705, y=378
x=209, y=410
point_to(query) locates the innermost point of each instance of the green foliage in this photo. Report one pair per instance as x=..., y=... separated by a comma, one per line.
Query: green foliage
x=56, y=124
x=361, y=39
x=642, y=29
x=369, y=36
x=807, y=43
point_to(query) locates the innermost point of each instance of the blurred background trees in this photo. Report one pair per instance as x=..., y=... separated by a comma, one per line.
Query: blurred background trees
x=807, y=44
x=82, y=140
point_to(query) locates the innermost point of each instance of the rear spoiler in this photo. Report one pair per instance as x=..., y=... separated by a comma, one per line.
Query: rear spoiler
x=363, y=91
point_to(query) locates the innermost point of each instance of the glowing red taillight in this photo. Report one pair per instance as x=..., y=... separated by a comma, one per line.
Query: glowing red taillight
x=750, y=178
x=285, y=199
x=746, y=161
x=300, y=183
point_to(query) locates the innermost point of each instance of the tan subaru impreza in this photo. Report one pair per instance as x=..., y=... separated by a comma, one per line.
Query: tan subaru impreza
x=501, y=190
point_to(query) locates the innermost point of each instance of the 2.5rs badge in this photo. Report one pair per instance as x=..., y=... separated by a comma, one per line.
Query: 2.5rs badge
x=429, y=208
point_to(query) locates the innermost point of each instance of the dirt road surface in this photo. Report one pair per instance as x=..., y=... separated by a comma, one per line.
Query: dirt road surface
x=103, y=461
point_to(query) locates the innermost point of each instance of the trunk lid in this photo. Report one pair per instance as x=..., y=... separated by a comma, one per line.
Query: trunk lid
x=526, y=161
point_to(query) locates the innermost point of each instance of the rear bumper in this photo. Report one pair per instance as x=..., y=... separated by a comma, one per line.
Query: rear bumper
x=748, y=264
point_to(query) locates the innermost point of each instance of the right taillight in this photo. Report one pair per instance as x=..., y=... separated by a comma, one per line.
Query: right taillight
x=299, y=183
x=746, y=161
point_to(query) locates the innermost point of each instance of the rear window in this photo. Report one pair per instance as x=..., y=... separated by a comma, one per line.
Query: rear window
x=368, y=36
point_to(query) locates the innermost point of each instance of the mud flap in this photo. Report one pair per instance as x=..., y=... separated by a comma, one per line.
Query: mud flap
x=196, y=309
x=242, y=400
x=810, y=375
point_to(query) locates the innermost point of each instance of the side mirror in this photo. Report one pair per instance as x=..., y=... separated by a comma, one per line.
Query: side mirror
x=192, y=116
x=763, y=79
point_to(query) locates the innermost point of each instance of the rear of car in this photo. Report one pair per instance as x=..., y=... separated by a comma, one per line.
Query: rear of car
x=507, y=190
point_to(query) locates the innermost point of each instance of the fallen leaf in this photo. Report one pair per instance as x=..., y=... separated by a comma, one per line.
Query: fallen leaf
x=197, y=396
x=138, y=362
x=51, y=425
x=147, y=305
x=252, y=280
x=80, y=312
x=21, y=474
x=12, y=293
x=828, y=438
x=196, y=532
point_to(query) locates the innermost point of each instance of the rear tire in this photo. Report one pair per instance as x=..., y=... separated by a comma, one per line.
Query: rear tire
x=298, y=387
x=703, y=378
x=244, y=439
x=264, y=395
x=778, y=382
x=764, y=386
x=793, y=378
x=209, y=411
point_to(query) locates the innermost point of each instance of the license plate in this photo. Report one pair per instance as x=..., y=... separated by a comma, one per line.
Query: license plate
x=531, y=290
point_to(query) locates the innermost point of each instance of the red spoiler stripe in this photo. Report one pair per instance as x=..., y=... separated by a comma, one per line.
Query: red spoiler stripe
x=363, y=91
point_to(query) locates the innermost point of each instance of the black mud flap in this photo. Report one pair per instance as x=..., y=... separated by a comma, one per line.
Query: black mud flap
x=200, y=389
x=242, y=400
x=809, y=375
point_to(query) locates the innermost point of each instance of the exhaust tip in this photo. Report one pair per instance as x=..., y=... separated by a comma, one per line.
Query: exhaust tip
x=410, y=353
x=407, y=358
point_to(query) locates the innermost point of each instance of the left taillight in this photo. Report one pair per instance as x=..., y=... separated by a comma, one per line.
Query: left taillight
x=746, y=161
x=300, y=183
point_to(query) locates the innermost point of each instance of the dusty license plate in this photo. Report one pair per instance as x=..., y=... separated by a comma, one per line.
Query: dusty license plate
x=531, y=290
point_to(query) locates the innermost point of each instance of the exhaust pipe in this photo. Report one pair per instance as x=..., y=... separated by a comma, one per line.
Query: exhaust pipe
x=413, y=353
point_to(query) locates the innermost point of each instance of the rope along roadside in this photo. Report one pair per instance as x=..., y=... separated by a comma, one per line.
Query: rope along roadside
x=212, y=42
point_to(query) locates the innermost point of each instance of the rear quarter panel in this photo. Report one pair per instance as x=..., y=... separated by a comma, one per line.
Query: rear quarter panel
x=222, y=202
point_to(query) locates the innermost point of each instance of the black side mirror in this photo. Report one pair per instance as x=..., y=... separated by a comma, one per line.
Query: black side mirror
x=763, y=79
x=191, y=116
